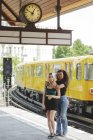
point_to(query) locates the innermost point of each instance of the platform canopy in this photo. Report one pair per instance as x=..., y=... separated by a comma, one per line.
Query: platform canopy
x=17, y=33
x=10, y=8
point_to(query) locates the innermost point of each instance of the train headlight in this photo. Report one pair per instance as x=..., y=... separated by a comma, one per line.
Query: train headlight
x=91, y=90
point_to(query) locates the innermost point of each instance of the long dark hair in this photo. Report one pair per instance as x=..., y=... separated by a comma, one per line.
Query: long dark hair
x=65, y=77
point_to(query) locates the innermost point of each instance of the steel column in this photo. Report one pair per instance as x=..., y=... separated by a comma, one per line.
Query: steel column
x=1, y=13
x=58, y=8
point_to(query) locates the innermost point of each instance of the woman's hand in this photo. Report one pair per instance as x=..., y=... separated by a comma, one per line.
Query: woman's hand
x=57, y=87
x=50, y=97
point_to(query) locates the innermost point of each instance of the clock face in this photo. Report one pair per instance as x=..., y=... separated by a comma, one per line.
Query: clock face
x=32, y=12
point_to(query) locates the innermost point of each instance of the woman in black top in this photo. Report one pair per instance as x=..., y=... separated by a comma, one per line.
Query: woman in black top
x=62, y=82
x=49, y=103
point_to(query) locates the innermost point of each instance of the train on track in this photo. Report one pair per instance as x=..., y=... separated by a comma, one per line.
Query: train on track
x=31, y=77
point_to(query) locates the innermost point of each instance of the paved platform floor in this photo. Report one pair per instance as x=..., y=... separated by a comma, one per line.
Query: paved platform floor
x=17, y=124
x=2, y=98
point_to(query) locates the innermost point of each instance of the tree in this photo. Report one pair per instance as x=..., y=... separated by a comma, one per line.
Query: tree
x=77, y=49
x=61, y=52
x=15, y=62
x=80, y=49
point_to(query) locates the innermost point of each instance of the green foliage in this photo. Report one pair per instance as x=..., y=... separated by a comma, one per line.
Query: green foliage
x=15, y=62
x=62, y=51
x=78, y=49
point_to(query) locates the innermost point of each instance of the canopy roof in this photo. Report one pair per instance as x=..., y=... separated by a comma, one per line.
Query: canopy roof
x=10, y=8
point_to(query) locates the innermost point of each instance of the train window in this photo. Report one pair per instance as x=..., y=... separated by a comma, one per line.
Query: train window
x=78, y=71
x=56, y=67
x=88, y=71
x=70, y=71
x=39, y=71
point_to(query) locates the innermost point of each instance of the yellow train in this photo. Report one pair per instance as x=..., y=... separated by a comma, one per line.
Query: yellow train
x=32, y=77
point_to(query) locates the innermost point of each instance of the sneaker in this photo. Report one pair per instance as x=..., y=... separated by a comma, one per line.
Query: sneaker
x=58, y=134
x=63, y=135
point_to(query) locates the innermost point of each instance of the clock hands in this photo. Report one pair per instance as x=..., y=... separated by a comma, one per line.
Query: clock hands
x=32, y=11
x=29, y=11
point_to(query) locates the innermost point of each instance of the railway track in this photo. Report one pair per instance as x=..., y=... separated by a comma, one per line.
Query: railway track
x=79, y=122
x=19, y=100
x=23, y=103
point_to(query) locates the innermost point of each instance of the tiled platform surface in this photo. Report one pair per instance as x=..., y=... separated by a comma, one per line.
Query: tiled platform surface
x=17, y=124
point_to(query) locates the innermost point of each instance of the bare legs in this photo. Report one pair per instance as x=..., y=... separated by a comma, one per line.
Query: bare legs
x=51, y=123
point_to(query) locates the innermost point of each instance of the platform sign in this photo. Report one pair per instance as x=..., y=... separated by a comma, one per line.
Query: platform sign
x=35, y=37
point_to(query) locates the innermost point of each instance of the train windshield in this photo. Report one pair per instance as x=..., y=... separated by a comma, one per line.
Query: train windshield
x=88, y=71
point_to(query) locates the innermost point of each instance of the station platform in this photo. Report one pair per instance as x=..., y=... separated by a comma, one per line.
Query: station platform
x=2, y=98
x=18, y=124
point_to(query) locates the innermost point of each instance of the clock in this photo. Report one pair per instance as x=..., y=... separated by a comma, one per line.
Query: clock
x=30, y=14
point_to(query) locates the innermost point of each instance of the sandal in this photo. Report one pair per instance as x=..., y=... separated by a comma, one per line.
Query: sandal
x=51, y=136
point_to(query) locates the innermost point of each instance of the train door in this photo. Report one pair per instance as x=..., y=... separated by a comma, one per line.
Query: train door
x=32, y=76
x=39, y=77
x=22, y=77
x=88, y=80
x=29, y=75
x=77, y=85
x=67, y=70
x=70, y=75
x=47, y=70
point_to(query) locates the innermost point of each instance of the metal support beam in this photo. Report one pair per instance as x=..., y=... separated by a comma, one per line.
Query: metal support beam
x=0, y=12
x=20, y=4
x=17, y=18
x=8, y=19
x=58, y=8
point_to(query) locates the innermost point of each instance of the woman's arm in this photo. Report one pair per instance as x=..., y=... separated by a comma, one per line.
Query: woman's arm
x=52, y=96
x=43, y=102
x=43, y=98
x=60, y=86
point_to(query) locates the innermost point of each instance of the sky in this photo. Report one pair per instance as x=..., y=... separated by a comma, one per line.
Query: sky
x=80, y=21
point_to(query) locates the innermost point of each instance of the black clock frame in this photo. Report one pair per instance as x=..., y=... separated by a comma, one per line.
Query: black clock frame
x=22, y=15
